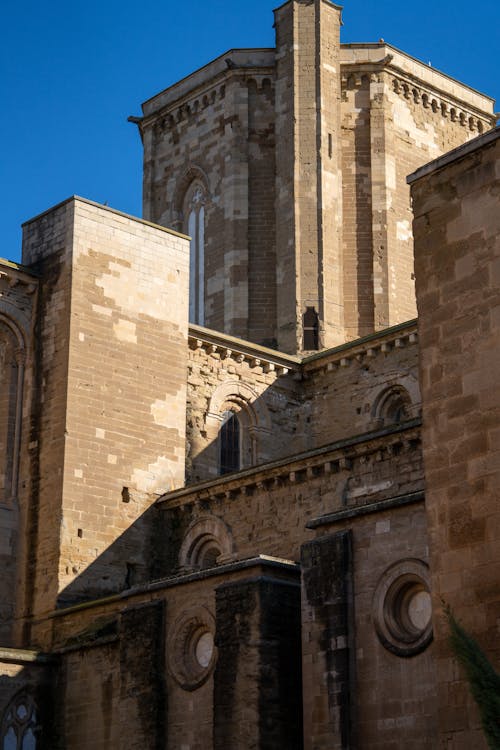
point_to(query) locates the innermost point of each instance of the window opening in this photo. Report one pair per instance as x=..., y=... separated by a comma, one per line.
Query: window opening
x=19, y=726
x=310, y=324
x=195, y=211
x=229, y=438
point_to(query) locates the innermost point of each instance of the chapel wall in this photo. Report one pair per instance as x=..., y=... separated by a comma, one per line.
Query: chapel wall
x=346, y=391
x=17, y=437
x=372, y=490
x=264, y=393
x=111, y=394
x=266, y=511
x=378, y=693
x=457, y=232
x=220, y=135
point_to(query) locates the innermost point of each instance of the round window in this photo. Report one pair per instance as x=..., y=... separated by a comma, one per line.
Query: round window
x=204, y=649
x=402, y=609
x=191, y=649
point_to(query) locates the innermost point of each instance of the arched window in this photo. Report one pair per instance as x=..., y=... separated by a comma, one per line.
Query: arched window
x=229, y=443
x=194, y=213
x=19, y=729
x=392, y=406
x=206, y=540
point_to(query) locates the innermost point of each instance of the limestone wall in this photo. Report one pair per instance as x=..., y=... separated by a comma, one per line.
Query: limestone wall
x=18, y=292
x=457, y=266
x=220, y=135
x=111, y=401
x=287, y=405
x=348, y=390
x=372, y=488
x=258, y=385
x=303, y=151
x=397, y=114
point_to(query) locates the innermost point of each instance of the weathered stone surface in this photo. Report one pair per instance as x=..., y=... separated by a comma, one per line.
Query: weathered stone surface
x=457, y=236
x=165, y=590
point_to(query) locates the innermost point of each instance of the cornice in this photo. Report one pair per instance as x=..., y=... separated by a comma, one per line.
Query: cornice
x=302, y=467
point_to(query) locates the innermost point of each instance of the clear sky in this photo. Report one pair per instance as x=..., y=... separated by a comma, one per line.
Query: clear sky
x=71, y=73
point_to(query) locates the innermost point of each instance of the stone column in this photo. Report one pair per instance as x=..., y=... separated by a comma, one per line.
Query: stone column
x=234, y=197
x=257, y=681
x=328, y=643
x=383, y=175
x=308, y=171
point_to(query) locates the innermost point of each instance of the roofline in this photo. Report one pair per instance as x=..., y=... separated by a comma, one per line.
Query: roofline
x=19, y=267
x=455, y=155
x=207, y=65
x=374, y=45
x=346, y=45
x=74, y=198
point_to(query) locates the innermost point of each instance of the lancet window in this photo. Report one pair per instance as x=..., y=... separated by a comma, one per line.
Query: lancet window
x=194, y=211
x=229, y=443
x=19, y=727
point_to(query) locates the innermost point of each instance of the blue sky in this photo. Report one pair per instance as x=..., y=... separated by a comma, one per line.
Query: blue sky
x=71, y=73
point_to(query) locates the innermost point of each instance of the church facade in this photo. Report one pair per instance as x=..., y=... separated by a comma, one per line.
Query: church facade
x=238, y=475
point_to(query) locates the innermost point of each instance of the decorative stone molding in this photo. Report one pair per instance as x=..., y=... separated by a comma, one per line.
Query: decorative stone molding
x=207, y=542
x=190, y=108
x=444, y=107
x=368, y=347
x=236, y=351
x=361, y=74
x=396, y=403
x=402, y=612
x=191, y=651
x=337, y=457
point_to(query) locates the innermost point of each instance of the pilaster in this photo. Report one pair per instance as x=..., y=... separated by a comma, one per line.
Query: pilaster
x=308, y=166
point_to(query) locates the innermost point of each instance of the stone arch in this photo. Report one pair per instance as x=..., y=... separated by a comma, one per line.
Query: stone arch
x=192, y=173
x=253, y=416
x=13, y=327
x=20, y=725
x=392, y=405
x=206, y=543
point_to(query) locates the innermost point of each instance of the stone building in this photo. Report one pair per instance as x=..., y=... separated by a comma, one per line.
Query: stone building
x=237, y=476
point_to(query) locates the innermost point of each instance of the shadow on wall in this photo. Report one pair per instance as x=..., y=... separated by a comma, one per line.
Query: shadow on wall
x=27, y=692
x=238, y=428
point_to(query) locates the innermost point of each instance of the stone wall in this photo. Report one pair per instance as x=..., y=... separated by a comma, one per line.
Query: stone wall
x=371, y=487
x=306, y=206
x=111, y=400
x=284, y=404
x=219, y=133
x=18, y=292
x=397, y=114
x=257, y=384
x=457, y=264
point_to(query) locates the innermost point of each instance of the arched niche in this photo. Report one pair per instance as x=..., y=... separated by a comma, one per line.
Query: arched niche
x=253, y=419
x=393, y=405
x=12, y=363
x=206, y=543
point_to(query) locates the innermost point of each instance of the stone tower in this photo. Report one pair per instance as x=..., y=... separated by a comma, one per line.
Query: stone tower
x=110, y=351
x=287, y=168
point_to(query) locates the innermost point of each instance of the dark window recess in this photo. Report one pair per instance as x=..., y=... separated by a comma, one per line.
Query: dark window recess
x=229, y=438
x=310, y=324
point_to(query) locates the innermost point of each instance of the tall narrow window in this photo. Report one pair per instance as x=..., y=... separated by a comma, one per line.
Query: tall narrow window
x=310, y=322
x=20, y=727
x=229, y=443
x=195, y=227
